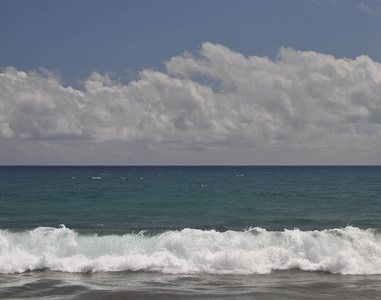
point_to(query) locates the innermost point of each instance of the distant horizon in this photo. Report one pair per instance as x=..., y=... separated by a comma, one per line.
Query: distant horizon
x=190, y=166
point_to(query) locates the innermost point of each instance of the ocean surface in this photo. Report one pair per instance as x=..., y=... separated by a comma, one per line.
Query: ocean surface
x=226, y=232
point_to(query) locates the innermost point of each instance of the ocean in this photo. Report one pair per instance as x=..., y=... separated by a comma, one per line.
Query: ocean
x=190, y=232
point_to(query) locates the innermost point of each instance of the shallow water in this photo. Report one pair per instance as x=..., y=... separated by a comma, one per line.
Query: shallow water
x=291, y=284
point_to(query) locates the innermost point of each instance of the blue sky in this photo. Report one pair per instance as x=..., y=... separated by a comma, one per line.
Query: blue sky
x=78, y=37
x=190, y=82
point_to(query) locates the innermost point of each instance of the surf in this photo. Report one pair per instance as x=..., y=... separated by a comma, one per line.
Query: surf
x=349, y=251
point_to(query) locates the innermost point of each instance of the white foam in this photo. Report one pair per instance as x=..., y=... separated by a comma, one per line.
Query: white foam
x=256, y=251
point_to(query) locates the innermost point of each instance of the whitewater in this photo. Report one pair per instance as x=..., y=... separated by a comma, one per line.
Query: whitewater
x=349, y=251
x=228, y=232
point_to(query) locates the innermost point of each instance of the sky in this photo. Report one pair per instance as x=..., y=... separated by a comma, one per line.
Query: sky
x=189, y=82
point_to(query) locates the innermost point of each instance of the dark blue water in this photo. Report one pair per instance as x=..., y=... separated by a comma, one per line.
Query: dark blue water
x=162, y=198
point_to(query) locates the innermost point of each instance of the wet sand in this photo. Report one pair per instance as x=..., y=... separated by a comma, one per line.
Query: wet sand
x=292, y=284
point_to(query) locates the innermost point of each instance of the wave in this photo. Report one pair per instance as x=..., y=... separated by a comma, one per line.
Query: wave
x=347, y=250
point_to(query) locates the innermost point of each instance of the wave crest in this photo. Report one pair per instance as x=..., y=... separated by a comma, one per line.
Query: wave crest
x=348, y=250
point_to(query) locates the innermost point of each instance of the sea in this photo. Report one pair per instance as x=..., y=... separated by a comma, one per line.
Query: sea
x=190, y=232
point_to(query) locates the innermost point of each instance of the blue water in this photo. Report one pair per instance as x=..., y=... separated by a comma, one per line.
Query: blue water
x=190, y=232
x=172, y=198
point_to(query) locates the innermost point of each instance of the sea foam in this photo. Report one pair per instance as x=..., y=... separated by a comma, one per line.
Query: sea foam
x=348, y=250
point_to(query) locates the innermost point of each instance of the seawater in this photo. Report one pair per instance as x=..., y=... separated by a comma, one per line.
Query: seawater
x=189, y=232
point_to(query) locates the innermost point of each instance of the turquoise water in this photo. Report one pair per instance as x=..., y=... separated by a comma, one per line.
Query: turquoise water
x=190, y=232
x=166, y=198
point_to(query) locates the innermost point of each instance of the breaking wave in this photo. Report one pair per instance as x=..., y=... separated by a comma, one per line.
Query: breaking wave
x=347, y=250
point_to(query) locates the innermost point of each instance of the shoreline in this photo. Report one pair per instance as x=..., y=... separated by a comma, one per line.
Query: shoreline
x=290, y=284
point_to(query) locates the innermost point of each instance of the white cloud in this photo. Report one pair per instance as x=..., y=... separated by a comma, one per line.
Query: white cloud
x=301, y=96
x=302, y=103
x=374, y=11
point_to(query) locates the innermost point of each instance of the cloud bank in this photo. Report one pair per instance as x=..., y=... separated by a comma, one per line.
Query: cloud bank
x=305, y=104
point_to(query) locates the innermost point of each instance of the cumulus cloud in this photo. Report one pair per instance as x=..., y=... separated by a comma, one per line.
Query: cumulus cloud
x=300, y=100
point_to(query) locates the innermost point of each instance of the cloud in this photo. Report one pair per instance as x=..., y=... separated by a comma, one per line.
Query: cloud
x=300, y=102
x=375, y=11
